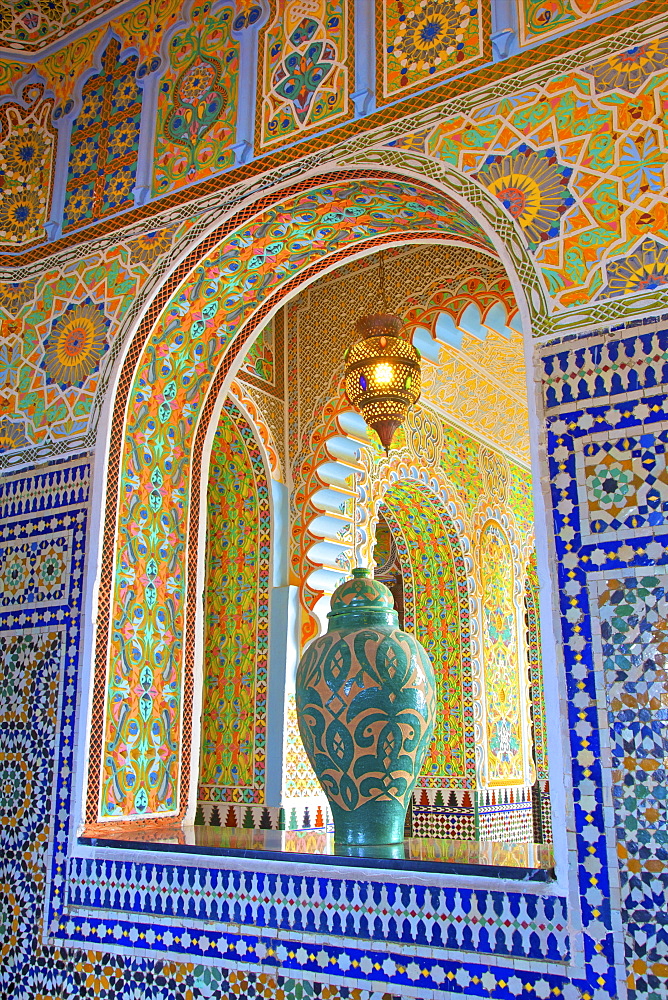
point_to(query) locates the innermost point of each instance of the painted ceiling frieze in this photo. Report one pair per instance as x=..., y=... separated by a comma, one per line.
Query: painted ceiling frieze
x=30, y=25
x=141, y=29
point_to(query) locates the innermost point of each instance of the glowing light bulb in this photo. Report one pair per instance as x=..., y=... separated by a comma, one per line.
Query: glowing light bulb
x=383, y=374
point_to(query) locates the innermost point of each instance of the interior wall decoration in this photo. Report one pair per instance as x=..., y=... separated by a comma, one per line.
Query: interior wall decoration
x=443, y=282
x=197, y=103
x=203, y=315
x=478, y=377
x=425, y=42
x=27, y=151
x=473, y=806
x=389, y=566
x=236, y=641
x=543, y=19
x=267, y=415
x=300, y=781
x=105, y=141
x=436, y=609
x=502, y=658
x=261, y=360
x=63, y=67
x=305, y=77
x=460, y=461
x=458, y=911
x=43, y=518
x=58, y=346
x=540, y=792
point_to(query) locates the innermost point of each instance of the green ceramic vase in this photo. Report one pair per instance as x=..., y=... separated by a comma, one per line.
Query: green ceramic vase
x=366, y=701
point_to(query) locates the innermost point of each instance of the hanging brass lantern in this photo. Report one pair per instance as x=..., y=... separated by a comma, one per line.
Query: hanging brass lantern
x=382, y=372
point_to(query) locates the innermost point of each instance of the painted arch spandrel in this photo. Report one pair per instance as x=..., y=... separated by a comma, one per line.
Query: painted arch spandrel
x=580, y=163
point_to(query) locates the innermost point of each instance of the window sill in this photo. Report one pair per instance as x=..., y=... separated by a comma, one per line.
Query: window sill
x=515, y=862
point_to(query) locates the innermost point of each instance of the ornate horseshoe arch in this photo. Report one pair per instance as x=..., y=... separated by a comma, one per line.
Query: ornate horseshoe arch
x=182, y=356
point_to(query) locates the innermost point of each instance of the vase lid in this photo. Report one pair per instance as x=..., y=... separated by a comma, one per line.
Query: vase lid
x=362, y=593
